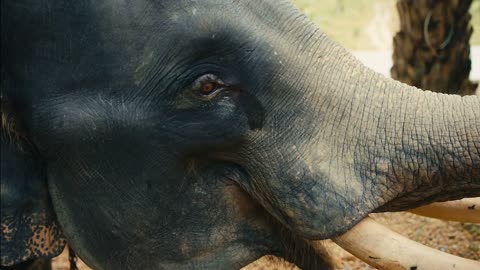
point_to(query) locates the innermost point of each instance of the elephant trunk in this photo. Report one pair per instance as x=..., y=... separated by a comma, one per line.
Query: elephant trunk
x=406, y=147
x=403, y=148
x=362, y=143
x=426, y=146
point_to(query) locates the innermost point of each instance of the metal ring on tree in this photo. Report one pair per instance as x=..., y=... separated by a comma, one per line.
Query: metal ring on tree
x=427, y=38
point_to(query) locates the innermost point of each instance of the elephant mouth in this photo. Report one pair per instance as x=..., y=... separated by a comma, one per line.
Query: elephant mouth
x=371, y=242
x=383, y=248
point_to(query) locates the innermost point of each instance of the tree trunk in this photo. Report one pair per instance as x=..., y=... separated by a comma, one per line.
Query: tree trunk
x=432, y=50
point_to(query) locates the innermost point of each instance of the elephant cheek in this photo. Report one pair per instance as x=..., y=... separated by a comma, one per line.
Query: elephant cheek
x=244, y=209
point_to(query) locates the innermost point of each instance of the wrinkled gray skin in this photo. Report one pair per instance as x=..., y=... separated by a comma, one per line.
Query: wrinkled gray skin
x=302, y=142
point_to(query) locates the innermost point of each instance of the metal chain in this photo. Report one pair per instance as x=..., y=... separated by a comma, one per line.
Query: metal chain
x=72, y=258
x=426, y=34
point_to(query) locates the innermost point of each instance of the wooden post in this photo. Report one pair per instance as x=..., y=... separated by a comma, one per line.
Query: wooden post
x=432, y=50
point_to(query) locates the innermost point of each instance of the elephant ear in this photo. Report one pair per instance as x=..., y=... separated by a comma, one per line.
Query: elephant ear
x=29, y=226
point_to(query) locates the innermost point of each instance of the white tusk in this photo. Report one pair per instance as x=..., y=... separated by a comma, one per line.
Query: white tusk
x=466, y=210
x=382, y=248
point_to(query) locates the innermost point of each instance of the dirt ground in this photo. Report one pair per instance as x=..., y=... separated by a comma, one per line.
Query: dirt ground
x=456, y=238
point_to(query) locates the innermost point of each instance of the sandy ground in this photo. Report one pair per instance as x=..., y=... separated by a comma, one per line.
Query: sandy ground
x=456, y=238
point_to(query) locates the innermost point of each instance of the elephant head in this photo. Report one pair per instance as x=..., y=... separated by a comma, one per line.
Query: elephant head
x=167, y=134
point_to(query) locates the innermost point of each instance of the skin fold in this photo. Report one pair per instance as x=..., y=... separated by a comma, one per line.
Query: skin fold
x=180, y=134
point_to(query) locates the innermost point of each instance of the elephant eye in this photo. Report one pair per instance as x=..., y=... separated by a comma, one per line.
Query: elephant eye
x=208, y=86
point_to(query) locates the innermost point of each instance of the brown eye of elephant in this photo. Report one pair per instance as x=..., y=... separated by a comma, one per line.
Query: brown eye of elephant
x=208, y=86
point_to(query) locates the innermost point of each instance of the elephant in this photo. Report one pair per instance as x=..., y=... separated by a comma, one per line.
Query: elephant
x=183, y=134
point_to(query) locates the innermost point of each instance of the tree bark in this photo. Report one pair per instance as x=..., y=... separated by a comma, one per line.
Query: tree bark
x=432, y=50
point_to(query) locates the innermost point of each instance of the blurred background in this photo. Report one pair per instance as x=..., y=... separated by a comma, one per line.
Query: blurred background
x=367, y=28
x=365, y=24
